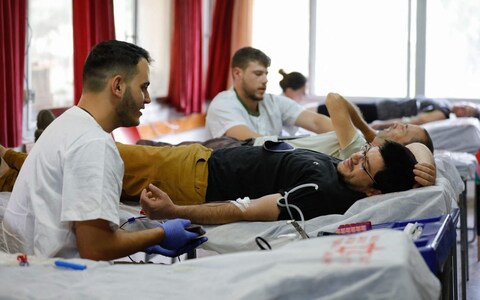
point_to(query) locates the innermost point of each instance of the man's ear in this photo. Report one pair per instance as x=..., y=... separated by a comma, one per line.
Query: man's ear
x=373, y=191
x=236, y=71
x=117, y=86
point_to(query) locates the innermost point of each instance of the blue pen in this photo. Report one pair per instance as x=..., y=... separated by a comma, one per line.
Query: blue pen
x=69, y=265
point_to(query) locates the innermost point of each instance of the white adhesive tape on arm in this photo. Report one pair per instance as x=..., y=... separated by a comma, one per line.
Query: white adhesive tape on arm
x=242, y=203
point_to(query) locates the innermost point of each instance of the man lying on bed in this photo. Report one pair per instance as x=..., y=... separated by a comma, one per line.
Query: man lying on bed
x=385, y=112
x=185, y=180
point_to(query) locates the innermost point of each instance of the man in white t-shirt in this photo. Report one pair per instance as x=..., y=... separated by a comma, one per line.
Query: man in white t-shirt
x=65, y=202
x=245, y=111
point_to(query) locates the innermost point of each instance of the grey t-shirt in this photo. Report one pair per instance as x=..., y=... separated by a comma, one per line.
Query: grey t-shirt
x=324, y=142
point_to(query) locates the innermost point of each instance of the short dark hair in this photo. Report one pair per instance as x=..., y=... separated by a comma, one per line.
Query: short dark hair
x=108, y=58
x=397, y=175
x=245, y=55
x=293, y=80
x=427, y=141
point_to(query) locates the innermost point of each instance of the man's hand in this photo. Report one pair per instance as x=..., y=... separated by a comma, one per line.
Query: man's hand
x=176, y=235
x=425, y=174
x=177, y=252
x=157, y=204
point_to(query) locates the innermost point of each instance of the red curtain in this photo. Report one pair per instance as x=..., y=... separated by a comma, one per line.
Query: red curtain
x=219, y=49
x=13, y=20
x=92, y=23
x=185, y=85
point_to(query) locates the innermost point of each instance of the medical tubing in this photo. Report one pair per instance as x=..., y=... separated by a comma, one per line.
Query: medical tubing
x=287, y=205
x=131, y=220
x=262, y=243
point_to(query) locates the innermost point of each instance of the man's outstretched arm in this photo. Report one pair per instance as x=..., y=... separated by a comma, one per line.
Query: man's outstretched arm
x=158, y=205
x=312, y=121
x=345, y=118
x=421, y=118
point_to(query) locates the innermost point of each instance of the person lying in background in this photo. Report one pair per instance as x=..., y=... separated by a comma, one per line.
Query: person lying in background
x=466, y=109
x=64, y=202
x=383, y=113
x=435, y=111
x=246, y=111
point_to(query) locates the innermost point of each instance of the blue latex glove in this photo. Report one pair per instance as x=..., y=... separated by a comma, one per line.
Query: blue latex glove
x=174, y=253
x=175, y=234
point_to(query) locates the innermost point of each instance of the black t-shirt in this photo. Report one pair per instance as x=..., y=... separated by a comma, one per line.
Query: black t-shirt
x=254, y=172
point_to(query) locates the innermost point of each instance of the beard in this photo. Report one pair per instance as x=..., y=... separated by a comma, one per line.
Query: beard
x=254, y=97
x=251, y=93
x=127, y=110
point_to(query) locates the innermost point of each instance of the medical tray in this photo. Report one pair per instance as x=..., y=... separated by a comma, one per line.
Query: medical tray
x=436, y=241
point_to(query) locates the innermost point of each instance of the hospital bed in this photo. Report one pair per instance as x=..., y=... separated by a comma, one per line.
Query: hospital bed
x=462, y=137
x=389, y=267
x=293, y=269
x=455, y=134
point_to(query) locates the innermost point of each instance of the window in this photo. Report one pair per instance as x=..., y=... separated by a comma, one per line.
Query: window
x=49, y=61
x=375, y=48
x=124, y=16
x=280, y=29
x=453, y=49
x=362, y=47
x=154, y=27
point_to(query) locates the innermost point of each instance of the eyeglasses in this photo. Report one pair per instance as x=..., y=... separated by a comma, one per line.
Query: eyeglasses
x=365, y=149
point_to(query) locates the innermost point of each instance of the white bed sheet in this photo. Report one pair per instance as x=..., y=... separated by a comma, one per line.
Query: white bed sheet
x=465, y=163
x=321, y=268
x=455, y=134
